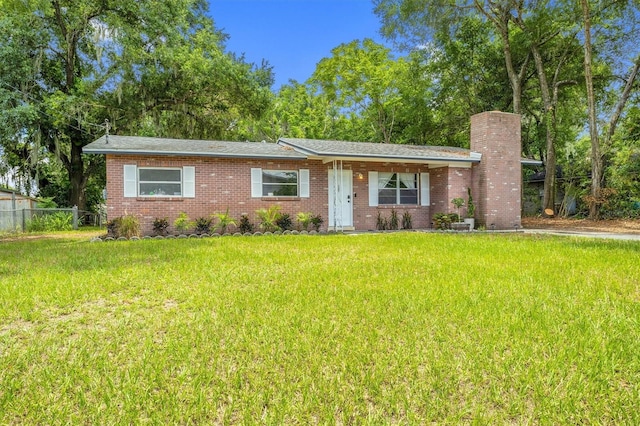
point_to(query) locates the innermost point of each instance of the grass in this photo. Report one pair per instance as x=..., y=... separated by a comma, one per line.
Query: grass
x=398, y=328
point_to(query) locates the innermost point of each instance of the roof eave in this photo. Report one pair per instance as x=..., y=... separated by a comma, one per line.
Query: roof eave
x=190, y=154
x=474, y=157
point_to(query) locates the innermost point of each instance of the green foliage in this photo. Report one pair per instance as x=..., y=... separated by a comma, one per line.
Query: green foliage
x=47, y=203
x=224, y=221
x=406, y=220
x=113, y=227
x=316, y=222
x=126, y=226
x=443, y=221
x=528, y=329
x=304, y=219
x=458, y=202
x=245, y=226
x=471, y=207
x=150, y=68
x=284, y=222
x=203, y=225
x=269, y=218
x=129, y=226
x=48, y=222
x=381, y=222
x=183, y=223
x=160, y=226
x=360, y=79
x=394, y=220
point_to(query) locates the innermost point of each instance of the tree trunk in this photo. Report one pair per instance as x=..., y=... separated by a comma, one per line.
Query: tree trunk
x=77, y=178
x=548, y=201
x=596, y=156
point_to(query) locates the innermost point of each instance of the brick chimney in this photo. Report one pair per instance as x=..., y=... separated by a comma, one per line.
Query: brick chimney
x=497, y=179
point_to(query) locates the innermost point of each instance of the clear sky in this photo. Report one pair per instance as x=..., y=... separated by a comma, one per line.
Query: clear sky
x=293, y=35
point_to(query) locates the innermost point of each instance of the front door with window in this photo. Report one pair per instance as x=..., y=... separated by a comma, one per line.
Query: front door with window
x=340, y=198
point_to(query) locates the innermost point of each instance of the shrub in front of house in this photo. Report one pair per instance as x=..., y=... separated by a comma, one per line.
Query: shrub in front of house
x=245, y=226
x=284, y=222
x=183, y=223
x=126, y=226
x=160, y=226
x=203, y=225
x=269, y=218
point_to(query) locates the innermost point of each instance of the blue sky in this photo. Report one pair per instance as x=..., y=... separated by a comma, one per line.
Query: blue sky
x=293, y=35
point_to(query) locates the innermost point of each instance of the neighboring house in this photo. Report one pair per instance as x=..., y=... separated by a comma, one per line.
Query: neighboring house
x=347, y=183
x=11, y=204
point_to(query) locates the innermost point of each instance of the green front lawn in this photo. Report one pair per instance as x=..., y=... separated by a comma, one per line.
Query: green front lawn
x=402, y=328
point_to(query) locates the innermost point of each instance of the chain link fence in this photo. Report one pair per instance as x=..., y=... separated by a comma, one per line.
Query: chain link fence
x=25, y=220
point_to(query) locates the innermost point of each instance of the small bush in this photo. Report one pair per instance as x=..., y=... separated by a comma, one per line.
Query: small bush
x=113, y=227
x=304, y=219
x=381, y=222
x=203, y=225
x=160, y=226
x=406, y=221
x=182, y=223
x=442, y=221
x=268, y=218
x=125, y=226
x=394, y=220
x=59, y=221
x=316, y=222
x=129, y=226
x=245, y=226
x=224, y=221
x=284, y=222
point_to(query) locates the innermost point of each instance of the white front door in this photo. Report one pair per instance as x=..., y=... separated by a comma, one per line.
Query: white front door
x=340, y=198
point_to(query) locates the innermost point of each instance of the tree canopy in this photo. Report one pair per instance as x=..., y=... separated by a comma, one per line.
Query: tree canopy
x=162, y=69
x=149, y=68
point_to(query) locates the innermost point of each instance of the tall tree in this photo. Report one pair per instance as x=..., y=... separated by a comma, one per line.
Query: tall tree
x=555, y=52
x=416, y=21
x=147, y=66
x=595, y=198
x=361, y=79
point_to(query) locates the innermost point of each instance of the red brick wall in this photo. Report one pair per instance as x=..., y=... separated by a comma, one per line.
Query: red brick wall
x=448, y=183
x=365, y=217
x=497, y=179
x=226, y=183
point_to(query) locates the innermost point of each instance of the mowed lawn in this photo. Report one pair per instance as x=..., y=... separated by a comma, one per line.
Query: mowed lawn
x=401, y=328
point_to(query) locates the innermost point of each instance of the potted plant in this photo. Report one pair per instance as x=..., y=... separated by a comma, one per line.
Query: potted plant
x=458, y=202
x=471, y=210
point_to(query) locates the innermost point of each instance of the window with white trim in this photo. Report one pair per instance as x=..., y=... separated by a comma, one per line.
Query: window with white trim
x=159, y=182
x=279, y=183
x=397, y=188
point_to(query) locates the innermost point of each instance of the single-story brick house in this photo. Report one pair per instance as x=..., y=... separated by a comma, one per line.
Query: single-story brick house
x=347, y=183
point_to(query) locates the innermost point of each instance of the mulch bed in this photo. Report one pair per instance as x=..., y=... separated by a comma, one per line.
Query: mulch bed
x=627, y=226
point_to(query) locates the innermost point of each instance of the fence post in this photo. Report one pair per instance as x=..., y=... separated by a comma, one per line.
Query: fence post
x=24, y=221
x=74, y=210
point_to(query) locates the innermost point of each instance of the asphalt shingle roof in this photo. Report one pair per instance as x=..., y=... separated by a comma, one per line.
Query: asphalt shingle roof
x=327, y=148
x=285, y=149
x=139, y=145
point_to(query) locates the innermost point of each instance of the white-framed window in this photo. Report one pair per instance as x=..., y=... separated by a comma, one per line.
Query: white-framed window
x=388, y=188
x=279, y=183
x=397, y=188
x=159, y=181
